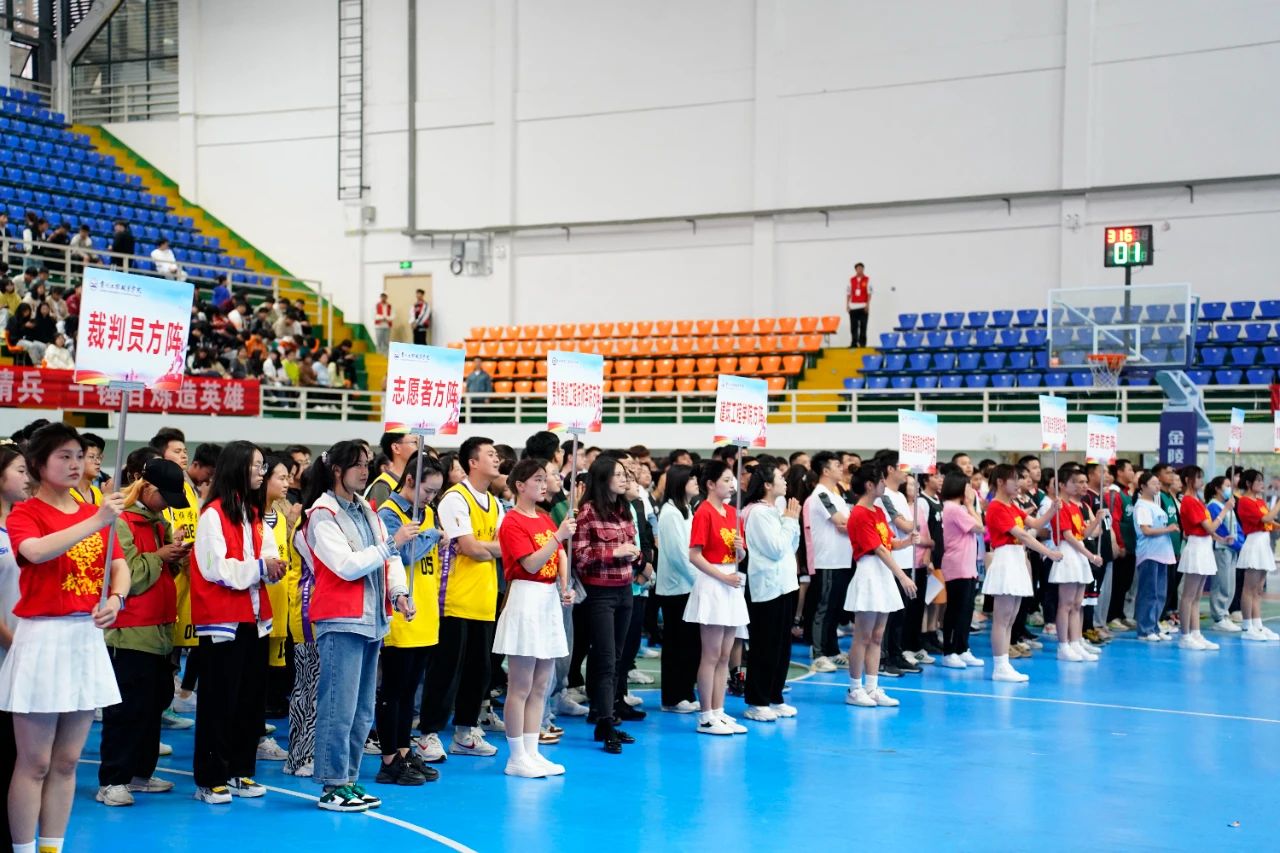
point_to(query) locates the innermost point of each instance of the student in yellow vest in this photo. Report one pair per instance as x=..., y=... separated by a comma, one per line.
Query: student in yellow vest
x=87, y=491
x=458, y=679
x=398, y=447
x=406, y=652
x=299, y=581
x=281, y=521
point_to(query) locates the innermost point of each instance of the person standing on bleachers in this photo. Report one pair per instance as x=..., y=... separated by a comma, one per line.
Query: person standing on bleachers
x=858, y=302
x=122, y=242
x=421, y=321
x=82, y=254
x=383, y=319
x=166, y=263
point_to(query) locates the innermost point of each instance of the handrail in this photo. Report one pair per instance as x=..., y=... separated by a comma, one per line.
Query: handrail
x=105, y=102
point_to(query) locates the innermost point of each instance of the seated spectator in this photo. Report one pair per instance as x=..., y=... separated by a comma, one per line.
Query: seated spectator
x=238, y=364
x=221, y=293
x=166, y=263
x=57, y=356
x=30, y=232
x=122, y=242
x=9, y=300
x=261, y=323
x=478, y=380
x=306, y=371
x=58, y=237
x=37, y=295
x=31, y=332
x=82, y=253
x=293, y=366
x=323, y=371
x=288, y=326
x=273, y=372
x=73, y=301
x=58, y=305
x=204, y=364
x=239, y=311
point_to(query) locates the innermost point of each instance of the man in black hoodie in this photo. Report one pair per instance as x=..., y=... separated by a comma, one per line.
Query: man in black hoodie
x=121, y=242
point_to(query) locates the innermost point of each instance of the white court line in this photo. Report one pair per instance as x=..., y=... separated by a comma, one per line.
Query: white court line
x=394, y=821
x=1075, y=702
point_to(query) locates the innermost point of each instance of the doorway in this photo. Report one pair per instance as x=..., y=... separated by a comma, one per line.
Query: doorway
x=401, y=292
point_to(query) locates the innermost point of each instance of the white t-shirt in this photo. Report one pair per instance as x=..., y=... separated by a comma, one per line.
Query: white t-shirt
x=1157, y=548
x=897, y=501
x=9, y=592
x=828, y=542
x=455, y=514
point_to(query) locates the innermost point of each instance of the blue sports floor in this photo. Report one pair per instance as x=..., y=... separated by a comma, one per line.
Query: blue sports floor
x=1150, y=749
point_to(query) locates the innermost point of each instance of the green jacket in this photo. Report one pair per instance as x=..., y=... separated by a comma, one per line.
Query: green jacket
x=1170, y=505
x=144, y=570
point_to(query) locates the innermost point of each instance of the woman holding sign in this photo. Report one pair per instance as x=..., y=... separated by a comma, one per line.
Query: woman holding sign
x=1256, y=556
x=57, y=671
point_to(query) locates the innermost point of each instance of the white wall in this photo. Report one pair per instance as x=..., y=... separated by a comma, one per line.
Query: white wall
x=575, y=111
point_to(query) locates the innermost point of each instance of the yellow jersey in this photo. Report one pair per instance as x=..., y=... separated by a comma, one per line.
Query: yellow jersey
x=182, y=525
x=424, y=584
x=94, y=497
x=471, y=587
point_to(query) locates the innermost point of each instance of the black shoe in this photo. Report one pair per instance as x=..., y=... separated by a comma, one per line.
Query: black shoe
x=737, y=683
x=889, y=670
x=399, y=772
x=609, y=736
x=624, y=737
x=626, y=712
x=909, y=666
x=429, y=773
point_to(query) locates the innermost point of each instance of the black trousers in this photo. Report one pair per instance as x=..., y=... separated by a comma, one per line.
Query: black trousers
x=1122, y=569
x=458, y=679
x=858, y=327
x=681, y=650
x=402, y=672
x=830, y=585
x=958, y=617
x=1235, y=599
x=902, y=628
x=419, y=336
x=231, y=713
x=581, y=644
x=652, y=628
x=1019, y=631
x=631, y=647
x=131, y=729
x=769, y=651
x=608, y=617
x=191, y=673
x=1046, y=593
x=8, y=758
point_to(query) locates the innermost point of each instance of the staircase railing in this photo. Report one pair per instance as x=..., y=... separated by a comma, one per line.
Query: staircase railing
x=141, y=100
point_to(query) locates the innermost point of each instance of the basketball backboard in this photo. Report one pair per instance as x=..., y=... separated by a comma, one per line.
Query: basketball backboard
x=1151, y=325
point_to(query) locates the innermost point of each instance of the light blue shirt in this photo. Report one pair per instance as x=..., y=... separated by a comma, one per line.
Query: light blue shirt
x=772, y=540
x=675, y=573
x=1157, y=548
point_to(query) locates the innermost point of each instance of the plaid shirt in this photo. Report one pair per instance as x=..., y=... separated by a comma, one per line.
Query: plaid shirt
x=594, y=544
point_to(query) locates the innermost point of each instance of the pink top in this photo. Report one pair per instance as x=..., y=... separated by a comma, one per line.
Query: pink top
x=960, y=547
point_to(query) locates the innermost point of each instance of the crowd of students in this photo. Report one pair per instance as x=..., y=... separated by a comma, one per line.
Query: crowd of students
x=367, y=592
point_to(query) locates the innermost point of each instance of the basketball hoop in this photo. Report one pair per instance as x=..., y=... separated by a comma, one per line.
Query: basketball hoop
x=1106, y=368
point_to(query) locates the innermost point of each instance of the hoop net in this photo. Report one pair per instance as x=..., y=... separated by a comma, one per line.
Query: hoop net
x=1106, y=368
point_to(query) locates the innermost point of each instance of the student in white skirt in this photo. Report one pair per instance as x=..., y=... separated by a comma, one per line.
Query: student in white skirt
x=13, y=490
x=717, y=602
x=872, y=594
x=1072, y=573
x=1256, y=555
x=530, y=629
x=57, y=671
x=1199, y=532
x=1008, y=571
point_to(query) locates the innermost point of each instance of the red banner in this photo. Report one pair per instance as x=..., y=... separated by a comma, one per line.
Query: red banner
x=37, y=388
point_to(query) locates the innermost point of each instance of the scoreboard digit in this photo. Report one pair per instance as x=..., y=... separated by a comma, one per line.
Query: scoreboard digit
x=1127, y=246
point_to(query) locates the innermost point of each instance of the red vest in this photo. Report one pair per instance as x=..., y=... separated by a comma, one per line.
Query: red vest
x=334, y=597
x=158, y=605
x=858, y=288
x=214, y=604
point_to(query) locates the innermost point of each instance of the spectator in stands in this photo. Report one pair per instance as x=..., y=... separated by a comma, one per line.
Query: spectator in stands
x=30, y=232
x=122, y=242
x=273, y=372
x=58, y=237
x=306, y=371
x=238, y=364
x=288, y=326
x=37, y=295
x=421, y=320
x=9, y=300
x=478, y=380
x=6, y=237
x=344, y=363
x=28, y=334
x=57, y=356
x=166, y=263
x=73, y=301
x=238, y=313
x=383, y=318
x=82, y=254
x=261, y=323
x=204, y=364
x=57, y=305
x=27, y=281
x=858, y=302
x=221, y=293
x=323, y=370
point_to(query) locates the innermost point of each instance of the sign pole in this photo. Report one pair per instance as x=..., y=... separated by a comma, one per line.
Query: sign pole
x=573, y=492
x=416, y=518
x=125, y=389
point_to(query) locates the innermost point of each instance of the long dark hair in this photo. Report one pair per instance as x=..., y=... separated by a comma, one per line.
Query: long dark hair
x=760, y=477
x=606, y=504
x=710, y=471
x=343, y=456
x=800, y=482
x=8, y=453
x=135, y=462
x=231, y=484
x=677, y=484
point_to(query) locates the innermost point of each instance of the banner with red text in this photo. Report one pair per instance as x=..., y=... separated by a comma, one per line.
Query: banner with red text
x=1053, y=422
x=917, y=442
x=742, y=411
x=39, y=388
x=1102, y=441
x=133, y=328
x=424, y=385
x=575, y=391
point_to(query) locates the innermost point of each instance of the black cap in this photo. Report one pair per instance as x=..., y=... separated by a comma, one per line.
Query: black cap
x=167, y=477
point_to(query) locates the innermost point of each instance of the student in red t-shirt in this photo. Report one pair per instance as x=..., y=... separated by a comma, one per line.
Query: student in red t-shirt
x=1199, y=531
x=530, y=630
x=60, y=546
x=1072, y=573
x=1256, y=555
x=717, y=602
x=872, y=594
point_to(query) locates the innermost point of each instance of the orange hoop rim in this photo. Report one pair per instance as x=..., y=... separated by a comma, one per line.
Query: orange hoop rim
x=1111, y=360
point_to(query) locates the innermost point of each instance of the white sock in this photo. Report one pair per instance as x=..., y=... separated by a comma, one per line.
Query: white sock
x=873, y=681
x=50, y=845
x=1001, y=660
x=705, y=717
x=855, y=683
x=28, y=847
x=461, y=733
x=717, y=713
x=531, y=745
x=516, y=745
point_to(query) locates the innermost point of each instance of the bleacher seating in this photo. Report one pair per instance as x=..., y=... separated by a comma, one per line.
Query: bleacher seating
x=1235, y=343
x=47, y=169
x=655, y=355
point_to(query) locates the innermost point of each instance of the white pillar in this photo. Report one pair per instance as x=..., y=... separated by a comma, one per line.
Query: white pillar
x=1076, y=262
x=505, y=23
x=188, y=143
x=765, y=132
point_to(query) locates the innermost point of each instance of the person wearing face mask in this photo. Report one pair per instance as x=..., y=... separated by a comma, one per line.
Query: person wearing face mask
x=1073, y=573
x=1226, y=550
x=1257, y=556
x=1198, y=530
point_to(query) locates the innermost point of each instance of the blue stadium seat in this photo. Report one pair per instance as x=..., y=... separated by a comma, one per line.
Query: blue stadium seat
x=854, y=384
x=1132, y=314
x=961, y=338
x=1026, y=316
x=1157, y=313
x=901, y=383
x=1082, y=378
x=910, y=340
x=1055, y=379
x=1203, y=331
x=1271, y=356
x=918, y=361
x=877, y=383
x=1147, y=334
x=1084, y=336
x=976, y=380
x=1040, y=359
x=1227, y=377
x=1138, y=378
x=1028, y=380
x=895, y=363
x=1226, y=333
x=1002, y=380
x=953, y=320
x=1212, y=356
x=993, y=360
x=1269, y=309
x=1244, y=356
x=1010, y=337
x=1260, y=376
x=1256, y=333
x=1071, y=357
x=1001, y=319
x=1019, y=360
x=985, y=338
x=951, y=380
x=944, y=361
x=978, y=319
x=1168, y=334
x=1242, y=310
x=888, y=340
x=968, y=361
x=936, y=339
x=929, y=322
x=1062, y=337
x=872, y=362
x=1155, y=353
x=1036, y=337
x=1200, y=376
x=1104, y=314
x=928, y=380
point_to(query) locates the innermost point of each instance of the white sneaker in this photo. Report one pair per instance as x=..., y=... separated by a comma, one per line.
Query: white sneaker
x=525, y=768
x=1207, y=645
x=684, y=706
x=924, y=657
x=577, y=694
x=970, y=659
x=841, y=659
x=114, y=795
x=549, y=767
x=568, y=707
x=1269, y=634
x=1084, y=653
x=182, y=705
x=1068, y=652
x=472, y=744
x=953, y=661
x=372, y=747
x=1034, y=644
x=1090, y=647
x=860, y=697
x=165, y=749
x=639, y=676
x=734, y=726
x=304, y=770
x=97, y=715
x=430, y=749
x=1189, y=641
x=1253, y=635
x=1237, y=617
x=633, y=700
x=650, y=653
x=171, y=720
x=491, y=722
x=908, y=656
x=1226, y=626
x=822, y=664
x=243, y=786
x=783, y=710
x=221, y=795
x=844, y=630
x=1150, y=638
x=149, y=786
x=269, y=750
x=882, y=699
x=1006, y=672
x=760, y=714
x=714, y=726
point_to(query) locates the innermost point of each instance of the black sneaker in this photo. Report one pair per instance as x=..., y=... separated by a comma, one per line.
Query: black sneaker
x=907, y=665
x=889, y=670
x=626, y=712
x=399, y=772
x=429, y=773
x=737, y=683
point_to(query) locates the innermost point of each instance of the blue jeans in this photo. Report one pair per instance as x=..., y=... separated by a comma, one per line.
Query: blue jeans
x=1152, y=585
x=344, y=705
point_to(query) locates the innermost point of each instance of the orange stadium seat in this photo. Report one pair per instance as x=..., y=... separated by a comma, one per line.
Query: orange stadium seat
x=489, y=349
x=766, y=325
x=643, y=366
x=608, y=385
x=642, y=386
x=745, y=343
x=665, y=366
x=524, y=386
x=684, y=328
x=829, y=324
x=476, y=333
x=603, y=330
x=748, y=364
x=744, y=326
x=644, y=328
x=787, y=324
x=708, y=384
x=490, y=367
x=664, y=386
x=664, y=346
x=540, y=368
x=492, y=333
x=524, y=367
x=624, y=329
x=586, y=330
x=686, y=366
x=809, y=325
x=608, y=367
x=684, y=346
x=724, y=327
x=528, y=333
x=706, y=365
x=547, y=331
x=727, y=363
x=767, y=343
x=607, y=347
x=771, y=364
x=506, y=368
x=663, y=328
x=472, y=348
x=502, y=386
x=565, y=331
x=624, y=346
x=509, y=348
x=721, y=345
x=703, y=327
x=622, y=367
x=810, y=343
x=643, y=346
x=529, y=348
x=777, y=383
x=592, y=347
x=702, y=346
x=789, y=343
x=792, y=364
x=622, y=386
x=540, y=386
x=686, y=384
